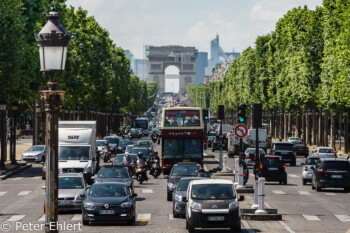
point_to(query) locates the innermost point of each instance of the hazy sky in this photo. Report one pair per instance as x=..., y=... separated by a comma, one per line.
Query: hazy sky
x=134, y=23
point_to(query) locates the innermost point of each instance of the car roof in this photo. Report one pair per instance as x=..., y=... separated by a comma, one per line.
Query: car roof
x=273, y=156
x=334, y=159
x=193, y=178
x=102, y=140
x=70, y=175
x=211, y=181
x=186, y=164
x=313, y=157
x=108, y=183
x=283, y=143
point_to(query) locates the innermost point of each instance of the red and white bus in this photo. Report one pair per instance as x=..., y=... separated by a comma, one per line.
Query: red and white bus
x=182, y=136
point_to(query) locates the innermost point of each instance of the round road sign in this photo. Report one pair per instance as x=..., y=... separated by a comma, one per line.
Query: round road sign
x=241, y=131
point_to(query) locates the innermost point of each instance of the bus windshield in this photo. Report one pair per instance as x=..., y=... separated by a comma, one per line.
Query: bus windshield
x=141, y=123
x=182, y=118
x=182, y=148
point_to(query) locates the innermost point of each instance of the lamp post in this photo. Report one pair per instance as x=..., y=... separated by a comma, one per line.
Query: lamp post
x=3, y=134
x=52, y=42
x=37, y=124
x=14, y=109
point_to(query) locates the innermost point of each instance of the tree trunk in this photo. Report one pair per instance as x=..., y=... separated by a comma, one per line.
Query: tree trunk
x=340, y=129
x=314, y=126
x=325, y=129
x=333, y=119
x=346, y=134
x=303, y=126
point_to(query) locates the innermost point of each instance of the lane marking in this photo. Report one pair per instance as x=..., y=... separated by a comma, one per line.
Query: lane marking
x=18, y=178
x=279, y=192
x=247, y=227
x=343, y=218
x=2, y=193
x=310, y=217
x=36, y=177
x=293, y=176
x=304, y=193
x=42, y=219
x=147, y=190
x=171, y=217
x=146, y=217
x=24, y=193
x=330, y=194
x=15, y=218
x=76, y=217
x=286, y=227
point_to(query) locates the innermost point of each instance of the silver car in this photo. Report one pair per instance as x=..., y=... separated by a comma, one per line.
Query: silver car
x=294, y=140
x=250, y=155
x=70, y=186
x=324, y=152
x=35, y=153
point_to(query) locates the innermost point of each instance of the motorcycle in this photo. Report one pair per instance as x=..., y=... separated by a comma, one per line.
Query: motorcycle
x=141, y=172
x=106, y=155
x=154, y=138
x=155, y=168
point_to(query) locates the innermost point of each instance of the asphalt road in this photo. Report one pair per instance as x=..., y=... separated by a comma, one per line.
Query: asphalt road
x=303, y=209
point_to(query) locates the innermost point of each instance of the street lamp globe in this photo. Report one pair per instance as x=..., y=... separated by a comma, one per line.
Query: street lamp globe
x=53, y=42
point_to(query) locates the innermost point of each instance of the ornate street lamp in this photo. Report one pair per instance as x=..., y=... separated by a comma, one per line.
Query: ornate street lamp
x=52, y=42
x=3, y=134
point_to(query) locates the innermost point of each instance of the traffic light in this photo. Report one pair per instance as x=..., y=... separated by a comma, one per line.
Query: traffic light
x=257, y=115
x=265, y=120
x=205, y=114
x=241, y=113
x=241, y=159
x=221, y=112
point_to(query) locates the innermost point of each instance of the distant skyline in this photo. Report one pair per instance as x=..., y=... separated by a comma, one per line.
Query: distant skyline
x=133, y=24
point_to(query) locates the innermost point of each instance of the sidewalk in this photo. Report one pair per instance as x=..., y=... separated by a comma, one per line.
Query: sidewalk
x=21, y=146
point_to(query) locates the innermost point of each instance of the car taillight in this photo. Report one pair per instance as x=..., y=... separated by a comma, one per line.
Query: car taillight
x=247, y=157
x=305, y=168
x=261, y=166
x=321, y=171
x=284, y=167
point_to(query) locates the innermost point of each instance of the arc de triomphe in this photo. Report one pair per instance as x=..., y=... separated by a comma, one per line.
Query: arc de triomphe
x=160, y=58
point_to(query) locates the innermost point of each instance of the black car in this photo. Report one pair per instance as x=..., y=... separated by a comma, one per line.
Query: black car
x=331, y=173
x=216, y=143
x=179, y=170
x=123, y=144
x=115, y=174
x=301, y=149
x=134, y=133
x=118, y=159
x=273, y=169
x=108, y=202
x=286, y=151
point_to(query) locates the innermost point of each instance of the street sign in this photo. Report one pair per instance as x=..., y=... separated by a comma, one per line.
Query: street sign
x=241, y=131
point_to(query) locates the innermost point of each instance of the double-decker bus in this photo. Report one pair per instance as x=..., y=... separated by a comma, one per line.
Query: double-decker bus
x=182, y=136
x=142, y=122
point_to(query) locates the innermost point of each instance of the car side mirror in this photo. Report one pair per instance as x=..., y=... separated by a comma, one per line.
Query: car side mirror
x=241, y=198
x=82, y=195
x=184, y=199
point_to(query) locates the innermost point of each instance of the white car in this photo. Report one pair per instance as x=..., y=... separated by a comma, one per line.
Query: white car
x=307, y=171
x=325, y=152
x=294, y=140
x=35, y=153
x=250, y=155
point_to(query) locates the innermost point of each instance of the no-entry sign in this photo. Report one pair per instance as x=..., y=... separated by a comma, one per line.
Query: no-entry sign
x=241, y=131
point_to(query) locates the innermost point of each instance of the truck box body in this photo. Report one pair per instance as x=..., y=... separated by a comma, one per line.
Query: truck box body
x=77, y=146
x=234, y=143
x=262, y=138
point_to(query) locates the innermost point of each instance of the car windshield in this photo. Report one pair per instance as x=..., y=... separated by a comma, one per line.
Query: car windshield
x=326, y=155
x=70, y=183
x=100, y=143
x=124, y=143
x=185, y=171
x=294, y=139
x=272, y=162
x=145, y=152
x=113, y=172
x=283, y=146
x=118, y=159
x=144, y=143
x=325, y=151
x=252, y=151
x=113, y=140
x=36, y=148
x=300, y=145
x=336, y=165
x=109, y=190
x=183, y=185
x=311, y=161
x=128, y=148
x=212, y=192
x=133, y=158
x=73, y=152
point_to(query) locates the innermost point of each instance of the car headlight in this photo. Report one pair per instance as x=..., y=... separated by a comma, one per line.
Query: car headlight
x=171, y=186
x=195, y=206
x=233, y=205
x=89, y=206
x=178, y=197
x=126, y=205
x=36, y=157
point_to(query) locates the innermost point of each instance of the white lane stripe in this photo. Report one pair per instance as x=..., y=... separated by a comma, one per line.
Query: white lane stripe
x=42, y=219
x=36, y=177
x=146, y=217
x=343, y=218
x=76, y=217
x=286, y=227
x=2, y=193
x=252, y=175
x=293, y=176
x=304, y=193
x=23, y=193
x=15, y=218
x=171, y=217
x=330, y=194
x=247, y=226
x=278, y=192
x=310, y=217
x=18, y=178
x=147, y=190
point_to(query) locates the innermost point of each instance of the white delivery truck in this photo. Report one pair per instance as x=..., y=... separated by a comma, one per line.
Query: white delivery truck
x=77, y=147
x=262, y=138
x=234, y=143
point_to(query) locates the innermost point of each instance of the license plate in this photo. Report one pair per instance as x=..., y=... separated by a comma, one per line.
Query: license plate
x=216, y=218
x=65, y=202
x=272, y=168
x=337, y=176
x=186, y=160
x=107, y=211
